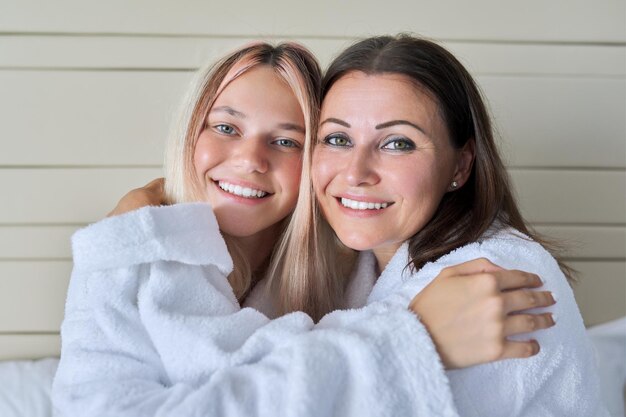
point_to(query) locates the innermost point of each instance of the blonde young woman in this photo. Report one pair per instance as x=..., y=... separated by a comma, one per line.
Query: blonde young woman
x=153, y=320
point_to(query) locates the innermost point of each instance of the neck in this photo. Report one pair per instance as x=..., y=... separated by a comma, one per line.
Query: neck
x=258, y=247
x=384, y=254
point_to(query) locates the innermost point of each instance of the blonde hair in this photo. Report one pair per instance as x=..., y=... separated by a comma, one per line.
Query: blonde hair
x=298, y=68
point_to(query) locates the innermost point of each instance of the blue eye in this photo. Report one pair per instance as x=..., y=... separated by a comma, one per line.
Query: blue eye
x=399, y=144
x=287, y=143
x=225, y=129
x=337, y=140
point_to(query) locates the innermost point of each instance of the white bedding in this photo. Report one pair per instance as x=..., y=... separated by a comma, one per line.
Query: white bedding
x=25, y=385
x=609, y=340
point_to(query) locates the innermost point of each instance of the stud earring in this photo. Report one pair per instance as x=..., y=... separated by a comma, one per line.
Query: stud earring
x=454, y=185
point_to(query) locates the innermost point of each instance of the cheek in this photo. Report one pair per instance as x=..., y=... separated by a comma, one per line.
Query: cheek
x=423, y=192
x=205, y=155
x=290, y=172
x=321, y=172
x=201, y=155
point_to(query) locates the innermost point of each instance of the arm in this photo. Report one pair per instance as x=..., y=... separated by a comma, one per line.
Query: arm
x=561, y=380
x=150, y=333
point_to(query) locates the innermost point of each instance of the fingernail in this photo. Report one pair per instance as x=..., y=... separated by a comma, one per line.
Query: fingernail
x=543, y=281
x=554, y=317
x=536, y=347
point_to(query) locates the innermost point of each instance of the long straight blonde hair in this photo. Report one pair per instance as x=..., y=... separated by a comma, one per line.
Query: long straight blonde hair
x=298, y=68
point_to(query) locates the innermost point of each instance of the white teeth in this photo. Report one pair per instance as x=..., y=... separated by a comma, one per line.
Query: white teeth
x=362, y=205
x=241, y=191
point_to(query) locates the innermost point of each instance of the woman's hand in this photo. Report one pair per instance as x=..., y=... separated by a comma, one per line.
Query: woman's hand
x=470, y=309
x=151, y=194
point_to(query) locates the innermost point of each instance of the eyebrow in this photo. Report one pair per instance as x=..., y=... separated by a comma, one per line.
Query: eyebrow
x=229, y=110
x=336, y=121
x=292, y=126
x=379, y=126
x=401, y=122
x=237, y=113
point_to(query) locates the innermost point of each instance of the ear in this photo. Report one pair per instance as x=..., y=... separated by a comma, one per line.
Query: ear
x=464, y=163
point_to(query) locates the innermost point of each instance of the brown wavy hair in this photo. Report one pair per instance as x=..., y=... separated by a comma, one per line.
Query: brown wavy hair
x=486, y=202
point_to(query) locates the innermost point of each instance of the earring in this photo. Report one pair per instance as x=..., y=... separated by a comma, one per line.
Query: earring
x=454, y=185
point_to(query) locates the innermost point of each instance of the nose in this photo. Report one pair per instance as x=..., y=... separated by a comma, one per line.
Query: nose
x=361, y=169
x=251, y=155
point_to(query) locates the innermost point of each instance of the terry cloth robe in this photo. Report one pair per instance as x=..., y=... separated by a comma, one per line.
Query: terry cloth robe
x=152, y=328
x=560, y=381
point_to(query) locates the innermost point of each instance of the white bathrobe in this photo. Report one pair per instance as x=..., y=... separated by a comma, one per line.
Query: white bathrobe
x=152, y=328
x=560, y=381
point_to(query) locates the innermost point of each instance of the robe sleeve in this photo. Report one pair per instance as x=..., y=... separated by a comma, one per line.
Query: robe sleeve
x=152, y=328
x=559, y=381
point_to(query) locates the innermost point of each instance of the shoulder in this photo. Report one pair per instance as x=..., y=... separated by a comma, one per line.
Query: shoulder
x=565, y=363
x=514, y=250
x=186, y=233
x=507, y=248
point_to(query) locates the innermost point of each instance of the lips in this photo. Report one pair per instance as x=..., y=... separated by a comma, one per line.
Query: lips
x=360, y=203
x=241, y=190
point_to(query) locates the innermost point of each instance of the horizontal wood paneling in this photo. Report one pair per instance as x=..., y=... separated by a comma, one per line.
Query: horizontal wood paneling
x=32, y=295
x=67, y=195
x=105, y=118
x=562, y=20
x=84, y=195
x=547, y=121
x=588, y=241
x=36, y=242
x=566, y=196
x=541, y=59
x=21, y=346
x=601, y=291
x=124, y=52
x=166, y=53
x=122, y=118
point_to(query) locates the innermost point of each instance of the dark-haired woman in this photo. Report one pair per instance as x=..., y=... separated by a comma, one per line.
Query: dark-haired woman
x=406, y=170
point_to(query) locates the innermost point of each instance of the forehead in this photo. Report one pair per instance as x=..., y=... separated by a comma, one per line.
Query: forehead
x=383, y=93
x=259, y=78
x=357, y=95
x=260, y=91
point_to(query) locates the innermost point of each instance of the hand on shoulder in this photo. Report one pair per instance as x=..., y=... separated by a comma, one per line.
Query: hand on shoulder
x=470, y=309
x=151, y=194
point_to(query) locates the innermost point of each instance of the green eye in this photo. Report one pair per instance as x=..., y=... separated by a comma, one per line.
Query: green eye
x=399, y=144
x=337, y=141
x=225, y=129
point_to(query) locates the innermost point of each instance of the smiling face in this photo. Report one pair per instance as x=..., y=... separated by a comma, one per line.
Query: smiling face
x=383, y=161
x=248, y=157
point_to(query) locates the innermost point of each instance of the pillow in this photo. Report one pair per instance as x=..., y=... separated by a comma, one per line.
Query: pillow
x=609, y=340
x=25, y=388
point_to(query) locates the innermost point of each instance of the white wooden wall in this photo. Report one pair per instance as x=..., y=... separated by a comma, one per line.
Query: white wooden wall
x=87, y=89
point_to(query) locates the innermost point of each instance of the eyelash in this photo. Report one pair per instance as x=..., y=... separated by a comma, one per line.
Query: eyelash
x=327, y=140
x=292, y=143
x=219, y=128
x=410, y=145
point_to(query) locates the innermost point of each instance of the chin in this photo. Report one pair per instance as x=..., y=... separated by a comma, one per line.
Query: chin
x=240, y=229
x=357, y=242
